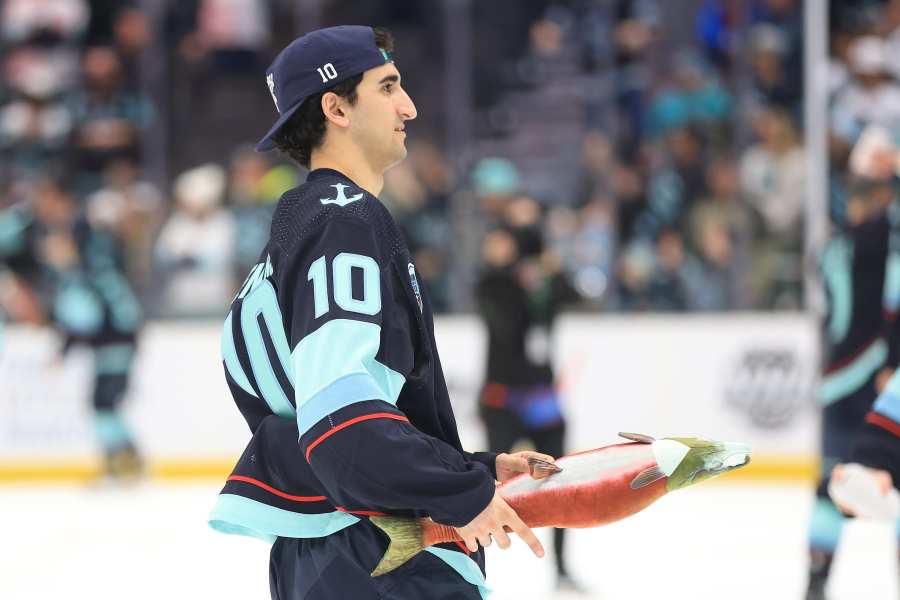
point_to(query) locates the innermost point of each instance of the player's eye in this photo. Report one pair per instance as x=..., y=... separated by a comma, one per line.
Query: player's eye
x=388, y=87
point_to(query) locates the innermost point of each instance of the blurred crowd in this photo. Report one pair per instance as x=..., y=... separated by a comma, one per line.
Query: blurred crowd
x=655, y=162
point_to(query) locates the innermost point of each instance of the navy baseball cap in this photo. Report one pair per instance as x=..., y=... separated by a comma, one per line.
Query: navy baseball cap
x=315, y=62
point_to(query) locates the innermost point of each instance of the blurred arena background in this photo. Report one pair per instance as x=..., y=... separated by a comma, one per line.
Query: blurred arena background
x=683, y=162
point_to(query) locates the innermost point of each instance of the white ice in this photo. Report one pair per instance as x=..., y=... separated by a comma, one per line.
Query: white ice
x=718, y=540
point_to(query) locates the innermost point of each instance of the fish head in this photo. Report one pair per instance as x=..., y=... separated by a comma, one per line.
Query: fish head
x=687, y=461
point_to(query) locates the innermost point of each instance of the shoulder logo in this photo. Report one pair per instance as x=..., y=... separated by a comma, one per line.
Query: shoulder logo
x=270, y=80
x=341, y=199
x=415, y=284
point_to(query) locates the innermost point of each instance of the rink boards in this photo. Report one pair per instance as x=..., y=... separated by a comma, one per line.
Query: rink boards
x=743, y=377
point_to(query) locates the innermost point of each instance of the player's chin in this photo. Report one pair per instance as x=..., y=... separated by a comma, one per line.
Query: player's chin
x=398, y=153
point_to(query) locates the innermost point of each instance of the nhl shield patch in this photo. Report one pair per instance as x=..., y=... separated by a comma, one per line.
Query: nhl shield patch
x=415, y=284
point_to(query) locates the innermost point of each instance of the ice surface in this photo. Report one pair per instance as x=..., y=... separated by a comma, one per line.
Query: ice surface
x=713, y=541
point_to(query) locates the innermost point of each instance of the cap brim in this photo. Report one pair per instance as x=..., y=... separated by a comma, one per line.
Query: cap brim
x=268, y=143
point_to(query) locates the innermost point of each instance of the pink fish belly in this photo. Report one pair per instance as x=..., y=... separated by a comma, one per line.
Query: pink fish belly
x=604, y=497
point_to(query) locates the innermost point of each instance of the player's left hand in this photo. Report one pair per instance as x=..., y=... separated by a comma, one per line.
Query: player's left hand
x=510, y=465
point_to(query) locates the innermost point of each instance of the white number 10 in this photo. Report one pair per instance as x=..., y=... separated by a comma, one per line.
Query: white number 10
x=341, y=276
x=327, y=72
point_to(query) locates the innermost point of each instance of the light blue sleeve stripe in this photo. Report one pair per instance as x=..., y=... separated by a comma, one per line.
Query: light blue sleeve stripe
x=356, y=387
x=892, y=283
x=465, y=566
x=232, y=364
x=888, y=403
x=242, y=516
x=335, y=366
x=850, y=378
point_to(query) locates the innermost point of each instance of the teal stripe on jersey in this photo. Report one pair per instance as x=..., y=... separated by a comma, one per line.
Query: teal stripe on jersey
x=242, y=516
x=888, y=403
x=232, y=364
x=324, y=362
x=836, y=268
x=892, y=283
x=262, y=300
x=465, y=566
x=850, y=378
x=356, y=387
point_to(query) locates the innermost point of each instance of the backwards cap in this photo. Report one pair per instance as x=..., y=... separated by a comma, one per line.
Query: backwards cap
x=315, y=62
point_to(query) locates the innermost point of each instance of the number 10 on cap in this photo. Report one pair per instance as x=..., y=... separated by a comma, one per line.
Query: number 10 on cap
x=327, y=72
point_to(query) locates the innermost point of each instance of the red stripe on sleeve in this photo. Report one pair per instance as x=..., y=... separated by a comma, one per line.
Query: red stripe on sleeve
x=353, y=421
x=272, y=490
x=881, y=421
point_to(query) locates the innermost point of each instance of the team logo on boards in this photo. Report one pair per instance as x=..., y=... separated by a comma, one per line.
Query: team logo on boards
x=341, y=199
x=270, y=80
x=771, y=386
x=415, y=284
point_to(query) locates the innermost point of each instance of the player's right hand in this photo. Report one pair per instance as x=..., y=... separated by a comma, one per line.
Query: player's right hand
x=494, y=521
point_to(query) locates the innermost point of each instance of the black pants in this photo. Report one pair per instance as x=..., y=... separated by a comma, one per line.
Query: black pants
x=338, y=567
x=504, y=429
x=109, y=390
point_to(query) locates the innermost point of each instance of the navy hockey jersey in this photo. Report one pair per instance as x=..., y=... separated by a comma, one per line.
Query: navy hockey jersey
x=329, y=353
x=861, y=268
x=877, y=444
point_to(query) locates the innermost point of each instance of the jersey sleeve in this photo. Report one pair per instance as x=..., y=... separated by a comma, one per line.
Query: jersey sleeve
x=351, y=332
x=877, y=445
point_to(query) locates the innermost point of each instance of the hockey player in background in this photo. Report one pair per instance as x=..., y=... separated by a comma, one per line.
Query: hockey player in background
x=862, y=281
x=519, y=295
x=877, y=449
x=74, y=261
x=329, y=353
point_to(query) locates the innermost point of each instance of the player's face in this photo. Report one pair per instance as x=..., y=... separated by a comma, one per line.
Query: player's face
x=378, y=118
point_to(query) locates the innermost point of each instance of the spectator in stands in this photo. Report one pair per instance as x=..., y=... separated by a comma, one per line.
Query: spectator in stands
x=773, y=182
x=635, y=269
x=131, y=34
x=195, y=248
x=871, y=98
x=715, y=25
x=695, y=99
x=132, y=208
x=677, y=184
x=254, y=188
x=786, y=17
x=24, y=21
x=772, y=83
x=108, y=120
x=39, y=68
x=637, y=26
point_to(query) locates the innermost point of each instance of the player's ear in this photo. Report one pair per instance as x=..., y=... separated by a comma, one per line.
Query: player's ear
x=333, y=107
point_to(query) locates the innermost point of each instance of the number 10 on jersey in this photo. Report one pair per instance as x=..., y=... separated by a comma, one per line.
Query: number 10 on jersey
x=342, y=281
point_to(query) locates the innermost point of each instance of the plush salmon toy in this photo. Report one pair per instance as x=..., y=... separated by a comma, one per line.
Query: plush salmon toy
x=586, y=489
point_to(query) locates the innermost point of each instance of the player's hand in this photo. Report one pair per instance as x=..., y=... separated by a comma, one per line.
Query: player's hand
x=882, y=480
x=510, y=465
x=494, y=521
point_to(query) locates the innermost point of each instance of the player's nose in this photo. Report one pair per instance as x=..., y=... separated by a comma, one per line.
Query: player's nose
x=406, y=108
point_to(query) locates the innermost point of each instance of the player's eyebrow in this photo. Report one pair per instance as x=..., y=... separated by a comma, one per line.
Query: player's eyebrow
x=392, y=78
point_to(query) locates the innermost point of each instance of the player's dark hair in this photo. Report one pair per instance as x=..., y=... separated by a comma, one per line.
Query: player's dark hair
x=305, y=130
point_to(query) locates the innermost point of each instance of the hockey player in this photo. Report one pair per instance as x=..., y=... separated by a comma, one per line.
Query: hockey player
x=877, y=445
x=863, y=298
x=519, y=298
x=330, y=355
x=78, y=267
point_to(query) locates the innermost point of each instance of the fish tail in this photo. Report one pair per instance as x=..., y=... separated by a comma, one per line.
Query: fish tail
x=406, y=540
